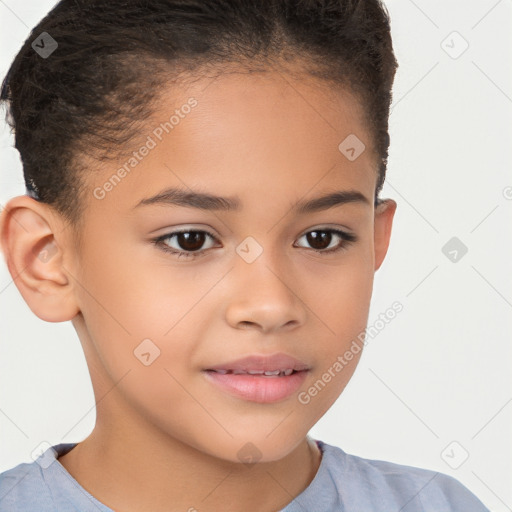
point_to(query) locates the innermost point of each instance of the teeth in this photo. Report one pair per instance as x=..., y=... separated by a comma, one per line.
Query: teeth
x=274, y=373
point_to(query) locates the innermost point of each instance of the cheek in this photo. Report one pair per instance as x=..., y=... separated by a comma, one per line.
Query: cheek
x=340, y=296
x=135, y=323
x=139, y=311
x=133, y=295
x=343, y=313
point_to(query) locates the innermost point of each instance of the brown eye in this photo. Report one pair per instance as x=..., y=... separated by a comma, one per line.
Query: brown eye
x=328, y=240
x=319, y=239
x=190, y=240
x=186, y=243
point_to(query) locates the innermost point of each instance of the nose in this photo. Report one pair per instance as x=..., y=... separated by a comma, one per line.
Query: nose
x=264, y=297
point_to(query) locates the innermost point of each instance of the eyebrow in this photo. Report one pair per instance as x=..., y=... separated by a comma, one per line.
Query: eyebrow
x=202, y=201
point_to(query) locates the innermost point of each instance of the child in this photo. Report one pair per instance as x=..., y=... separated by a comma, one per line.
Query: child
x=202, y=203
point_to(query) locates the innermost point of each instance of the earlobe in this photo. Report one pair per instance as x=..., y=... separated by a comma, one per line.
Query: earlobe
x=35, y=258
x=384, y=214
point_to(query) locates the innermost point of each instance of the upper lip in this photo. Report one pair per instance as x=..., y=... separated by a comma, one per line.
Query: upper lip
x=266, y=363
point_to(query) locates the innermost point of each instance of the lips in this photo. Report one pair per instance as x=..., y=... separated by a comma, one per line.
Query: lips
x=259, y=378
x=275, y=365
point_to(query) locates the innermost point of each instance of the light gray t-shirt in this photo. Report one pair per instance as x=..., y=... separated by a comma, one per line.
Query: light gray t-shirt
x=343, y=483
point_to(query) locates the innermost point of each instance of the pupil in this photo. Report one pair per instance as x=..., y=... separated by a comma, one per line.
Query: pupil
x=324, y=237
x=191, y=240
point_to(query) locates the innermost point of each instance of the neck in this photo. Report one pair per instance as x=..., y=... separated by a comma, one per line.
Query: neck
x=111, y=464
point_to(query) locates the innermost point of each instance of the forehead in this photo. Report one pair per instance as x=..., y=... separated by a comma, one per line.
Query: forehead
x=274, y=105
x=247, y=132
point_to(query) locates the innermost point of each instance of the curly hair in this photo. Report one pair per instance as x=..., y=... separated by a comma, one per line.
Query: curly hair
x=111, y=58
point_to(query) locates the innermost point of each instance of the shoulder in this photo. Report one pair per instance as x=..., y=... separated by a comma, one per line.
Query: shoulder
x=391, y=485
x=22, y=488
x=42, y=485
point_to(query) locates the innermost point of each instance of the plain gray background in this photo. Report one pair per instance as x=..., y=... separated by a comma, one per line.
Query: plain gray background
x=433, y=388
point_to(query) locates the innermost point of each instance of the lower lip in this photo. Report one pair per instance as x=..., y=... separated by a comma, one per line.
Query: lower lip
x=258, y=388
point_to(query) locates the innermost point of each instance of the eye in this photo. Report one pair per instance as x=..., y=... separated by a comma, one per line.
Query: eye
x=188, y=243
x=328, y=240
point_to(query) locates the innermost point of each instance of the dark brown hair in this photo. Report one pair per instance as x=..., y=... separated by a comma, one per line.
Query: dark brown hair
x=91, y=95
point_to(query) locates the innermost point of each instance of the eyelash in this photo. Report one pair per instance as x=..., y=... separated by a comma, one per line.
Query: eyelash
x=347, y=238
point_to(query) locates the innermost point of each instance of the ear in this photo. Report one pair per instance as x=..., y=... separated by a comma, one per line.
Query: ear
x=34, y=257
x=384, y=213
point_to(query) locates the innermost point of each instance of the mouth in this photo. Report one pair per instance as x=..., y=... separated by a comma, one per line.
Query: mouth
x=275, y=365
x=258, y=386
x=259, y=378
x=261, y=373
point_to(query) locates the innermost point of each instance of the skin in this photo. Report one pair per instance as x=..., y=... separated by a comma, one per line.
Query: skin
x=271, y=141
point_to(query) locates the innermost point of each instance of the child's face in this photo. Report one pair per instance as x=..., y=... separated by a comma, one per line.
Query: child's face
x=270, y=143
